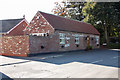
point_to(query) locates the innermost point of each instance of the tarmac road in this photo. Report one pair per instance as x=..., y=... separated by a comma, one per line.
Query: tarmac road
x=77, y=64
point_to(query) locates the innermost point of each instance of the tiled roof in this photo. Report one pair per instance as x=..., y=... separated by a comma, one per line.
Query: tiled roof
x=6, y=25
x=61, y=23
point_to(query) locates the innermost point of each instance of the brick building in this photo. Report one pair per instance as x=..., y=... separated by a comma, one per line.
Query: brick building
x=11, y=33
x=50, y=33
x=13, y=26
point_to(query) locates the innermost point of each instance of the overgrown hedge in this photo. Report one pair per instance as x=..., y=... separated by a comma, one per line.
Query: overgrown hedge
x=114, y=45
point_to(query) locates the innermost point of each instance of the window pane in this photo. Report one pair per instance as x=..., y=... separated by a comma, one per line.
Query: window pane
x=62, y=38
x=76, y=39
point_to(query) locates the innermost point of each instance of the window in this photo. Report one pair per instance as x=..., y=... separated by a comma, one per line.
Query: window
x=76, y=39
x=97, y=40
x=62, y=38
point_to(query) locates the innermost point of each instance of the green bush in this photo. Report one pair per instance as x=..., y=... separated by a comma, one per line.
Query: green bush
x=89, y=48
x=114, y=45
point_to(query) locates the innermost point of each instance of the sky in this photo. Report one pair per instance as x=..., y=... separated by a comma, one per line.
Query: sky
x=14, y=9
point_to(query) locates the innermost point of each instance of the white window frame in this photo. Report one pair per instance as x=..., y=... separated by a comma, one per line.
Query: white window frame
x=62, y=38
x=97, y=39
x=77, y=39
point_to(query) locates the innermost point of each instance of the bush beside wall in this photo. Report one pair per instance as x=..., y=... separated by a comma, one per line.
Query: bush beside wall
x=114, y=45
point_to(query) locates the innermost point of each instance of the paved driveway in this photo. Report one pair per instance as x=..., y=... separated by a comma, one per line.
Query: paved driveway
x=77, y=64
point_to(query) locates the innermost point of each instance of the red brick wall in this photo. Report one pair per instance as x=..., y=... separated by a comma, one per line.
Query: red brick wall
x=18, y=30
x=15, y=45
x=22, y=45
x=51, y=43
x=1, y=49
x=39, y=25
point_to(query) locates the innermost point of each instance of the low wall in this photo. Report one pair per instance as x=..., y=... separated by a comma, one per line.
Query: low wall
x=14, y=45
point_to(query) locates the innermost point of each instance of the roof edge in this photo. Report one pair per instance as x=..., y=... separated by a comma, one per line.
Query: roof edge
x=17, y=25
x=48, y=22
x=76, y=31
x=65, y=18
x=11, y=19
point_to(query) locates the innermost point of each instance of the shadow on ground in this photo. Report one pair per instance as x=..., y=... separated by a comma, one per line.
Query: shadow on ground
x=4, y=77
x=100, y=57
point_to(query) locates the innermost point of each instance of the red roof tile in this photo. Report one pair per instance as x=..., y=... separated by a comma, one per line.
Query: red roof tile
x=61, y=23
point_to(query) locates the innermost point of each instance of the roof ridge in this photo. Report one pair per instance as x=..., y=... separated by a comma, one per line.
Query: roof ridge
x=11, y=19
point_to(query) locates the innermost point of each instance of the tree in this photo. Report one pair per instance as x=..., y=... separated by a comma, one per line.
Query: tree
x=117, y=19
x=60, y=9
x=75, y=10
x=103, y=16
x=71, y=10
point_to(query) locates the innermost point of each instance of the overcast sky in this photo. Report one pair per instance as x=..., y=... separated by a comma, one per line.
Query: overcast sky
x=12, y=9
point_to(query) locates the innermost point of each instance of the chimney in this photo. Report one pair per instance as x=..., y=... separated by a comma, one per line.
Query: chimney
x=24, y=16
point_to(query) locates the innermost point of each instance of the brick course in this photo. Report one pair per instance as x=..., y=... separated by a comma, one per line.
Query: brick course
x=14, y=45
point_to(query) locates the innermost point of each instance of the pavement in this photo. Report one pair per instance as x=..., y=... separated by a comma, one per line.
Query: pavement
x=101, y=63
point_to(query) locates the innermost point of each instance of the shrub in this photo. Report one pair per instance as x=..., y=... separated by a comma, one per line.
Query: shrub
x=89, y=48
x=114, y=45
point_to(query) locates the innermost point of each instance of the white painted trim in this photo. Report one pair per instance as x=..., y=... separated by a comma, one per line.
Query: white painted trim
x=26, y=21
x=17, y=25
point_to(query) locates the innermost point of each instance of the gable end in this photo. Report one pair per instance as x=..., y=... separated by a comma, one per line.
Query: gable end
x=39, y=25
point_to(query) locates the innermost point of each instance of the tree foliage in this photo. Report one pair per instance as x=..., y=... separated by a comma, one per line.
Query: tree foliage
x=104, y=16
x=71, y=10
x=75, y=10
x=60, y=9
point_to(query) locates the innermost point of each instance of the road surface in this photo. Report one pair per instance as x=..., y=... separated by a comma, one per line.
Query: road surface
x=77, y=64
